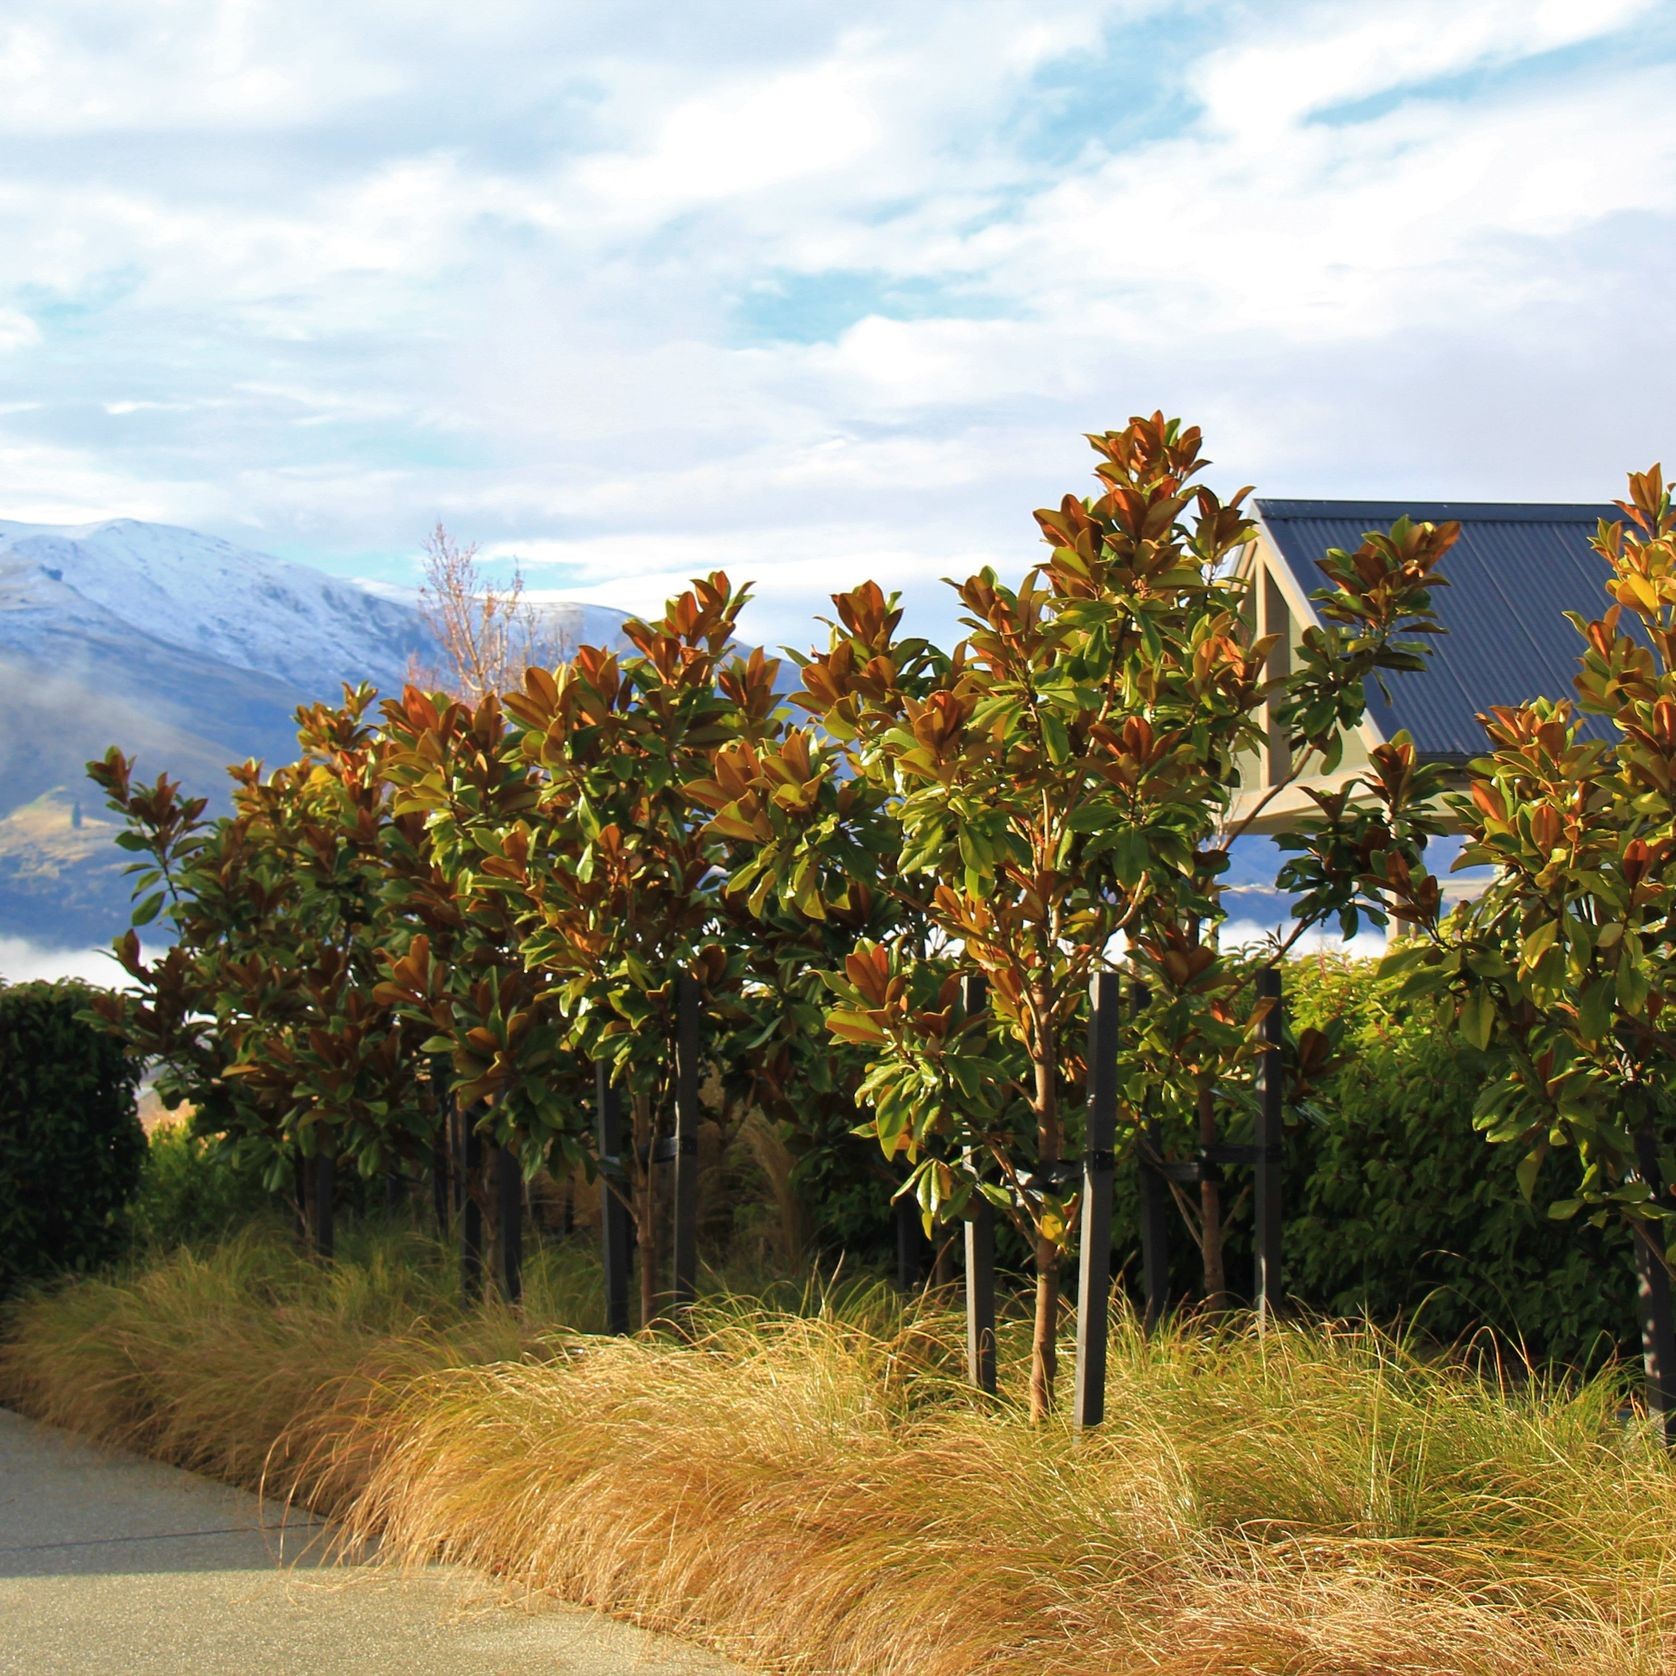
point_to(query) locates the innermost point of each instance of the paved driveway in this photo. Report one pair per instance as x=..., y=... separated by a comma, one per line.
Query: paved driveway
x=111, y=1563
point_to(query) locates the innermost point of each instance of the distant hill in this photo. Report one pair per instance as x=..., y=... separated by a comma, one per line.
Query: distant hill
x=188, y=653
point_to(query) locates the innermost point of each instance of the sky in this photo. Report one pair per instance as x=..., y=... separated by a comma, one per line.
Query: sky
x=813, y=292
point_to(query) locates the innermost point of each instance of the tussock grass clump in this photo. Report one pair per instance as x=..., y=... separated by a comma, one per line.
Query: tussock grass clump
x=251, y=1361
x=813, y=1490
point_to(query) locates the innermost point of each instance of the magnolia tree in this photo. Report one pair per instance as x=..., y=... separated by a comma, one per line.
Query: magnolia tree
x=456, y=768
x=612, y=879
x=198, y=877
x=260, y=1013
x=486, y=1015
x=785, y=945
x=1564, y=968
x=353, y=1071
x=1054, y=789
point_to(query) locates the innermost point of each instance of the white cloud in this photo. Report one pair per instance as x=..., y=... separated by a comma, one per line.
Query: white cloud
x=1254, y=934
x=122, y=409
x=800, y=291
x=1427, y=214
x=82, y=66
x=740, y=139
x=790, y=585
x=53, y=485
x=1329, y=55
x=22, y=961
x=17, y=330
x=899, y=103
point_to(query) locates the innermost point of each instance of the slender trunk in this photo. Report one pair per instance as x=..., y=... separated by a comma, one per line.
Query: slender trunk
x=456, y=1161
x=646, y=1211
x=492, y=1268
x=439, y=1181
x=1210, y=1203
x=507, y=1196
x=1044, y=1354
x=441, y=1144
x=304, y=1197
x=468, y=1169
x=910, y=1242
x=646, y=1240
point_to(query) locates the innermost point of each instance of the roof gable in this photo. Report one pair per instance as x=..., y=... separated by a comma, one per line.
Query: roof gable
x=1512, y=575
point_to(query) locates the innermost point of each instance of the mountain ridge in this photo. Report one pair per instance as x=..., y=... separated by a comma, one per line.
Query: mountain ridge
x=188, y=653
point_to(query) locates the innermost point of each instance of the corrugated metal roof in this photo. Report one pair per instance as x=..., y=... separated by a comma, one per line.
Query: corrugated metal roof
x=1512, y=574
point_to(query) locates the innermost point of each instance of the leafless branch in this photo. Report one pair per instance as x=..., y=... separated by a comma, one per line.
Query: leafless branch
x=488, y=635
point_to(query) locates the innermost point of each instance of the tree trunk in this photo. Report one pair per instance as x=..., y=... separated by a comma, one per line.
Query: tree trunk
x=304, y=1198
x=1044, y=1354
x=646, y=1241
x=441, y=1145
x=1044, y=1349
x=492, y=1264
x=507, y=1195
x=468, y=1163
x=646, y=1211
x=1210, y=1204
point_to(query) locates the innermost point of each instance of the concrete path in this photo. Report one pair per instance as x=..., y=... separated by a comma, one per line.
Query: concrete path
x=112, y=1563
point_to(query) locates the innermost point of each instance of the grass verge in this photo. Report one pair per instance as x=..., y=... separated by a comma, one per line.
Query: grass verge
x=812, y=1490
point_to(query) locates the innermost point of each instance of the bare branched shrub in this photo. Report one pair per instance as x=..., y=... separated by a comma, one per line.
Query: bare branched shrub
x=488, y=635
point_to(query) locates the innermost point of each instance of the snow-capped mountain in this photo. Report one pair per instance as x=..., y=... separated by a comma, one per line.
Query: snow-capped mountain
x=187, y=652
x=212, y=599
x=201, y=595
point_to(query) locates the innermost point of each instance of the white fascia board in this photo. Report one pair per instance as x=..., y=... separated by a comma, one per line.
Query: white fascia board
x=1300, y=605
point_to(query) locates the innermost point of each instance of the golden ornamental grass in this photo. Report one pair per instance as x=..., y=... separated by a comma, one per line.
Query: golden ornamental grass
x=813, y=1490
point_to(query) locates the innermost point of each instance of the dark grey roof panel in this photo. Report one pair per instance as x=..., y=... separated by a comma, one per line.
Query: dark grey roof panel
x=1511, y=575
x=1384, y=513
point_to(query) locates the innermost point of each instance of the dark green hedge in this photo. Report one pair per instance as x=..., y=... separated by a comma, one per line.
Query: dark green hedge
x=194, y=1190
x=71, y=1145
x=1398, y=1207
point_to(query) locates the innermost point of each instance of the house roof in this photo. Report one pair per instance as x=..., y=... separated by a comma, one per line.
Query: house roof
x=1512, y=575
